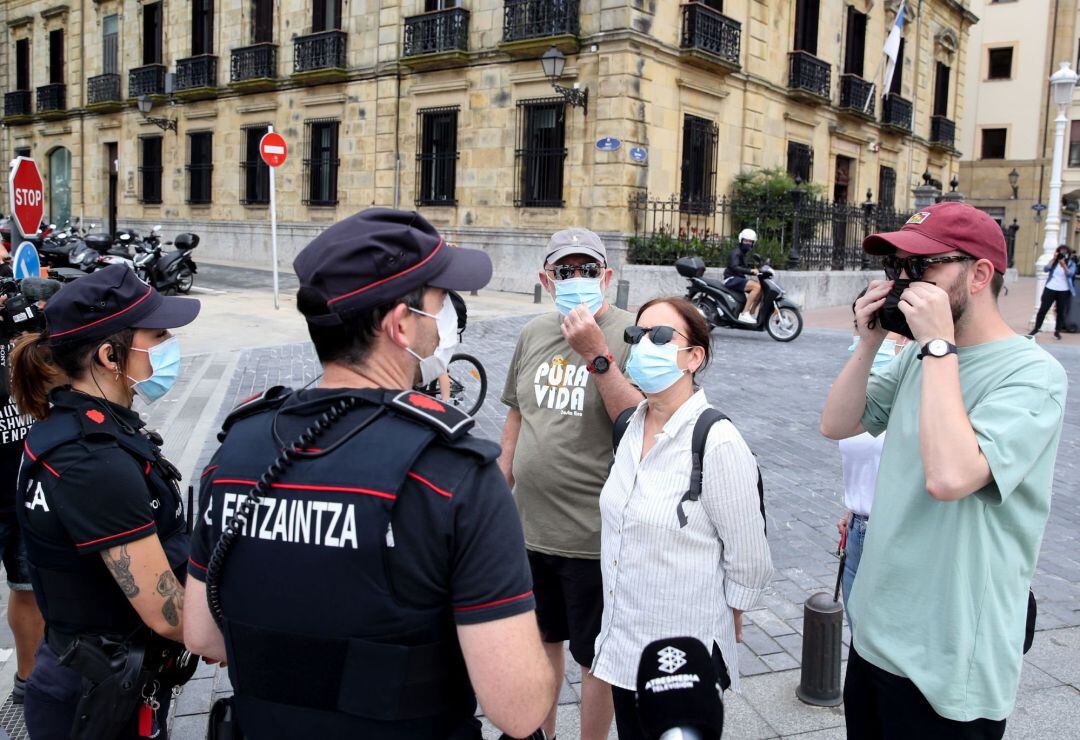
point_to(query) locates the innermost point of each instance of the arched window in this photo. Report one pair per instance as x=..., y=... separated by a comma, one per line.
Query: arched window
x=59, y=186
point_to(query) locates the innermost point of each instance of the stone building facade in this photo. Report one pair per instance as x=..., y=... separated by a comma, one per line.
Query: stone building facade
x=1010, y=127
x=444, y=107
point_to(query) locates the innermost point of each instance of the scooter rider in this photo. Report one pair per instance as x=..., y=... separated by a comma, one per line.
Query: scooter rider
x=99, y=507
x=400, y=583
x=737, y=271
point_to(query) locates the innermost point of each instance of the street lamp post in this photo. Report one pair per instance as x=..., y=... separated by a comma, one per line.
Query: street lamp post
x=1062, y=84
x=1014, y=180
x=553, y=61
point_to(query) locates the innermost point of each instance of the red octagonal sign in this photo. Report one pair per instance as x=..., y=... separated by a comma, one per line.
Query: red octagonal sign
x=273, y=149
x=27, y=195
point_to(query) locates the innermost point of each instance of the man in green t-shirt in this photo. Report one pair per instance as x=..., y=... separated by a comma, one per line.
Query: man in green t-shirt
x=974, y=414
x=564, y=386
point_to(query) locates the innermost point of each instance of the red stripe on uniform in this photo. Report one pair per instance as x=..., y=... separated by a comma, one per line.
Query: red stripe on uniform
x=200, y=566
x=114, y=536
x=302, y=487
x=395, y=276
x=26, y=446
x=519, y=597
x=431, y=485
x=95, y=323
x=208, y=471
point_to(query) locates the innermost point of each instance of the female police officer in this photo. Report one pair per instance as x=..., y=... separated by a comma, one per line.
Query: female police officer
x=100, y=509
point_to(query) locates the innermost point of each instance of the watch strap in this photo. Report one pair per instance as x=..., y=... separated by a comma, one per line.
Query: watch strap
x=591, y=367
x=950, y=349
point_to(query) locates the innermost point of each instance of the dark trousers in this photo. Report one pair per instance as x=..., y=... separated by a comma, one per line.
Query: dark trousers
x=626, y=716
x=880, y=705
x=1049, y=298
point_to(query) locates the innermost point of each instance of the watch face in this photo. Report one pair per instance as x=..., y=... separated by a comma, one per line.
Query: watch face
x=601, y=364
x=938, y=348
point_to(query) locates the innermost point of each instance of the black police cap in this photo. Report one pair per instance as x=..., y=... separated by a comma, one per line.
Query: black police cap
x=107, y=301
x=376, y=256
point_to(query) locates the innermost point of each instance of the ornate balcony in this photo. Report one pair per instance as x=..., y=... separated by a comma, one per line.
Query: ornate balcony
x=52, y=98
x=942, y=132
x=809, y=77
x=254, y=64
x=320, y=55
x=532, y=25
x=856, y=95
x=710, y=37
x=442, y=32
x=103, y=91
x=896, y=113
x=148, y=80
x=17, y=104
x=196, y=75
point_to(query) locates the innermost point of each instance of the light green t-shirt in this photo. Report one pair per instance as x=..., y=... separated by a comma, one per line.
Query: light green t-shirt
x=564, y=446
x=941, y=593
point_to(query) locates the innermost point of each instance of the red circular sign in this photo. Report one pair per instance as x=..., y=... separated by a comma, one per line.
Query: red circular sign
x=27, y=195
x=273, y=150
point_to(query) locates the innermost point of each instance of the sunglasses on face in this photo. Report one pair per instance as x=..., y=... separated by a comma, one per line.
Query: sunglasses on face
x=657, y=335
x=916, y=267
x=591, y=270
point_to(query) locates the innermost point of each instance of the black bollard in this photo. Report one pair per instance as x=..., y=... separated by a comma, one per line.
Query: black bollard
x=537, y=292
x=823, y=629
x=622, y=294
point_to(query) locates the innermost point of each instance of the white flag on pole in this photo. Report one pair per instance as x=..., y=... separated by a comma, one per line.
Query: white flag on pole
x=892, y=47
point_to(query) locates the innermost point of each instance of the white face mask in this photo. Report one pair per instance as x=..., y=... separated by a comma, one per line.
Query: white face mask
x=446, y=322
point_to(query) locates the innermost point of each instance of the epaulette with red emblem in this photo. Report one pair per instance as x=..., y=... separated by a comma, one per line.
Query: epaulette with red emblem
x=450, y=422
x=268, y=399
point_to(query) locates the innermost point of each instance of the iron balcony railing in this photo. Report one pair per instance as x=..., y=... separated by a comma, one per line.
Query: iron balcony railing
x=942, y=131
x=856, y=94
x=324, y=50
x=896, y=112
x=103, y=89
x=435, y=32
x=51, y=97
x=196, y=72
x=707, y=30
x=532, y=19
x=255, y=62
x=148, y=80
x=809, y=74
x=17, y=103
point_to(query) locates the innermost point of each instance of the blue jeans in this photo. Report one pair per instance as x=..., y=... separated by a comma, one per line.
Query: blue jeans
x=856, y=534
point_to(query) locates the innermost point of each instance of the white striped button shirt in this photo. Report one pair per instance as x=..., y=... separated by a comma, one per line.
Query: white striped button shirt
x=662, y=580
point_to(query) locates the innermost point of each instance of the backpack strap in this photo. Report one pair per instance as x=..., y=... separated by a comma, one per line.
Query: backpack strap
x=702, y=426
x=619, y=426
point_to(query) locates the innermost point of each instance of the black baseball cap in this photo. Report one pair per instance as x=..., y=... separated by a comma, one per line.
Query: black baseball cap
x=375, y=256
x=107, y=301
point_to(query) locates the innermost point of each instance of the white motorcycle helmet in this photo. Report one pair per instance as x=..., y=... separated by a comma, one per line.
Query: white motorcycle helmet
x=748, y=235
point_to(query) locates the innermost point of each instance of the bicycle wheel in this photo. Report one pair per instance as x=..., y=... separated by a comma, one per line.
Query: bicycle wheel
x=468, y=383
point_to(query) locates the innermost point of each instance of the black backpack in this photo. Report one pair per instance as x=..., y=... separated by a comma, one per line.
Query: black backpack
x=702, y=426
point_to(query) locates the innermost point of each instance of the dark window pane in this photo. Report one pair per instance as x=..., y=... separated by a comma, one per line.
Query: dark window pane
x=22, y=64
x=541, y=153
x=941, y=90
x=993, y=143
x=326, y=15
x=200, y=166
x=202, y=27
x=255, y=172
x=262, y=16
x=437, y=157
x=1074, y=144
x=110, y=36
x=806, y=25
x=698, y=164
x=56, y=56
x=855, y=42
x=152, y=33
x=150, y=169
x=800, y=161
x=887, y=188
x=898, y=73
x=321, y=166
x=1000, y=65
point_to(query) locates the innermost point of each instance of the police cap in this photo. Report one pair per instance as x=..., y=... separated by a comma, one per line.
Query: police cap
x=375, y=256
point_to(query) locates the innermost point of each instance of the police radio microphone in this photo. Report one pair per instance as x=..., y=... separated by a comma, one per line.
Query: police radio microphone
x=678, y=692
x=38, y=288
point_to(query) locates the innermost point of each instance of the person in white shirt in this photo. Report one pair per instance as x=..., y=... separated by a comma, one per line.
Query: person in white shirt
x=662, y=579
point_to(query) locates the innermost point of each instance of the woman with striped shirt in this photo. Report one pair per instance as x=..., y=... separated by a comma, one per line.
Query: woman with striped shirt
x=663, y=578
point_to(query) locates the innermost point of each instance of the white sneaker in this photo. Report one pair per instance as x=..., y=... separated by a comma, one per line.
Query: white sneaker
x=747, y=318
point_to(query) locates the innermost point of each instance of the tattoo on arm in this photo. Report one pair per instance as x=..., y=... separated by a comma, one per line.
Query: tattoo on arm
x=121, y=572
x=173, y=593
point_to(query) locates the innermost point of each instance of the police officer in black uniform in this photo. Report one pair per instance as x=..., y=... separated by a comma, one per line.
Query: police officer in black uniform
x=371, y=580
x=100, y=510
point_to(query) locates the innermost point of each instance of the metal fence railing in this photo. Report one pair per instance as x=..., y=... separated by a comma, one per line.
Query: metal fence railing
x=794, y=232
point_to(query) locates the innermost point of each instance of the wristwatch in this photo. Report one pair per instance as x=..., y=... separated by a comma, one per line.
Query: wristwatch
x=938, y=348
x=600, y=364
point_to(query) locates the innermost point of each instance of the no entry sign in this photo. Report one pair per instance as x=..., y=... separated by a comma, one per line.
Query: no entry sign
x=273, y=150
x=27, y=195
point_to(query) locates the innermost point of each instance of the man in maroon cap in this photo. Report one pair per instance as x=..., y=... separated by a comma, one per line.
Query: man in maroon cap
x=974, y=413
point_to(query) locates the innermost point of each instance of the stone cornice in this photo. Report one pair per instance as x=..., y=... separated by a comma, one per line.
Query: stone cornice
x=25, y=20
x=54, y=11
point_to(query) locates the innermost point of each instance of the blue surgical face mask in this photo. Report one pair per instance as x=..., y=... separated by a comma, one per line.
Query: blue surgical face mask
x=571, y=293
x=654, y=368
x=886, y=352
x=164, y=366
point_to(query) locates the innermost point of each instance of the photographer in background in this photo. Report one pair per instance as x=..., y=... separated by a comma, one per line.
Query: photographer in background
x=24, y=617
x=1059, y=289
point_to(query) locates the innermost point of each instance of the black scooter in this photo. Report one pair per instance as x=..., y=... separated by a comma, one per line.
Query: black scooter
x=721, y=305
x=169, y=273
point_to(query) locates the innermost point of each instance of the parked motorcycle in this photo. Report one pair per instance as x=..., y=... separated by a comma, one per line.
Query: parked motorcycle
x=172, y=272
x=721, y=305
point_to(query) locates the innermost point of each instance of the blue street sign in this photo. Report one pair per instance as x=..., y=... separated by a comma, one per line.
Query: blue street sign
x=26, y=263
x=1038, y=207
x=639, y=153
x=608, y=144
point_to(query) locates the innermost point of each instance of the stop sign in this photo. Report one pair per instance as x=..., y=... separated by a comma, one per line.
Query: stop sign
x=272, y=149
x=27, y=195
